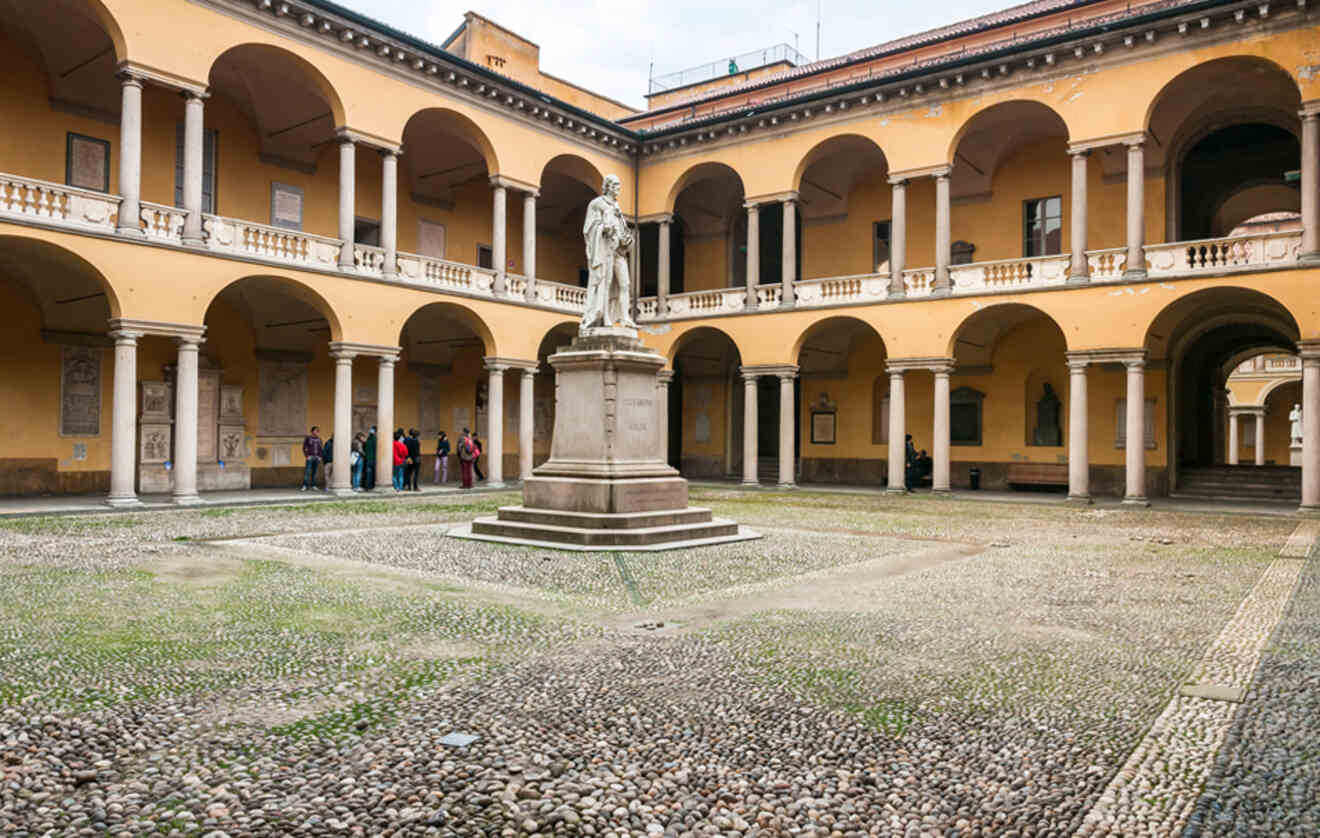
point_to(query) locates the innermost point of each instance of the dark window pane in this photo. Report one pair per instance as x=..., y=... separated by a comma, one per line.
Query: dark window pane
x=965, y=424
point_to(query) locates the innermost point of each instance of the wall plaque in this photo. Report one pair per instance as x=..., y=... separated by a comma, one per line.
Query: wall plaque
x=87, y=163
x=286, y=206
x=80, y=392
x=283, y=401
x=208, y=412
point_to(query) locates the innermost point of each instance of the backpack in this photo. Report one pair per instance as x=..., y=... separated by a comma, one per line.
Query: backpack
x=465, y=450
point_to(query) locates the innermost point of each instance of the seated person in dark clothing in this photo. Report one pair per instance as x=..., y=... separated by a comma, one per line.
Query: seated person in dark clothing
x=925, y=465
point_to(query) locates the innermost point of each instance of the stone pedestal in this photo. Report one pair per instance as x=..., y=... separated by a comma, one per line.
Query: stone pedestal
x=1295, y=454
x=605, y=486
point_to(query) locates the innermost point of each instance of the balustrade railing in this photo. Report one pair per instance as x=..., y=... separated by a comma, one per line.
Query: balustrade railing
x=1215, y=255
x=440, y=273
x=769, y=295
x=1008, y=274
x=919, y=282
x=561, y=296
x=841, y=290
x=697, y=303
x=647, y=308
x=34, y=199
x=369, y=259
x=1106, y=265
x=274, y=244
x=515, y=286
x=162, y=223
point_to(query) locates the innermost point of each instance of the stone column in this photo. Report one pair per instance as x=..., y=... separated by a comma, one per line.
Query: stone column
x=787, y=423
x=751, y=439
x=753, y=254
x=341, y=474
x=529, y=244
x=494, y=449
x=526, y=421
x=897, y=433
x=1260, y=437
x=788, y=275
x=943, y=234
x=499, y=236
x=1079, y=271
x=1234, y=441
x=384, y=452
x=1136, y=432
x=1136, y=212
x=1310, y=433
x=662, y=270
x=185, y=422
x=897, y=238
x=939, y=479
x=663, y=378
x=389, y=211
x=194, y=149
x=347, y=202
x=123, y=422
x=1310, y=186
x=130, y=157
x=1079, y=453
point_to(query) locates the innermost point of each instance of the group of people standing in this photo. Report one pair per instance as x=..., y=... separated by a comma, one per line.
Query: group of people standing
x=407, y=459
x=917, y=466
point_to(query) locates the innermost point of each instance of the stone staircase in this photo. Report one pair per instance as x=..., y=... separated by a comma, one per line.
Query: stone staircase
x=1243, y=483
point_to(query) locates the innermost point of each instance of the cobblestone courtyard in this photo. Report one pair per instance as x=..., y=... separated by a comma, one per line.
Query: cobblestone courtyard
x=873, y=666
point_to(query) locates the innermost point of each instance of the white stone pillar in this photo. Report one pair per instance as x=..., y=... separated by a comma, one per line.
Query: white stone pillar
x=897, y=237
x=123, y=421
x=787, y=423
x=130, y=158
x=347, y=202
x=341, y=473
x=1310, y=433
x=751, y=439
x=662, y=269
x=499, y=236
x=389, y=211
x=1136, y=212
x=788, y=274
x=1136, y=432
x=939, y=479
x=943, y=233
x=529, y=243
x=185, y=422
x=1310, y=186
x=753, y=254
x=494, y=449
x=1260, y=437
x=897, y=433
x=1080, y=270
x=1234, y=441
x=663, y=379
x=194, y=140
x=526, y=420
x=384, y=452
x=1079, y=453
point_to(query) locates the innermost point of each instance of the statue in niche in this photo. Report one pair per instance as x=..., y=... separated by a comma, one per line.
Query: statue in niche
x=1047, y=419
x=609, y=239
x=1295, y=417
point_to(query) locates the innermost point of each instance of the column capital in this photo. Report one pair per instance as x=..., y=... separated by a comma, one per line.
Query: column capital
x=388, y=153
x=1134, y=141
x=198, y=96
x=1307, y=349
x=124, y=337
x=157, y=328
x=1106, y=356
x=778, y=370
x=899, y=181
x=1106, y=141
x=901, y=365
x=497, y=364
x=140, y=74
x=1077, y=365
x=370, y=349
x=1083, y=152
x=771, y=197
x=506, y=182
x=1310, y=110
x=665, y=376
x=656, y=218
x=1246, y=410
x=921, y=172
x=189, y=343
x=343, y=356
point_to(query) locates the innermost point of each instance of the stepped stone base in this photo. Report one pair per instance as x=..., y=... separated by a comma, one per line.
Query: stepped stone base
x=605, y=487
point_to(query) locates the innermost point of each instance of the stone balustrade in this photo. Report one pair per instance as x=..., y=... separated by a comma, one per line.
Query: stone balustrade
x=1008, y=275
x=1106, y=265
x=368, y=259
x=1219, y=255
x=557, y=295
x=841, y=290
x=703, y=303
x=162, y=223
x=272, y=244
x=769, y=295
x=37, y=200
x=919, y=282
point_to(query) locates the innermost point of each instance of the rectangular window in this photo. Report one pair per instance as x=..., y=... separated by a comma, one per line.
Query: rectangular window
x=209, y=139
x=485, y=257
x=880, y=241
x=1042, y=226
x=366, y=231
x=87, y=163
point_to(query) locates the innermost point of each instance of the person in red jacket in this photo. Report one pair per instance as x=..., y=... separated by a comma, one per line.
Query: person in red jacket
x=400, y=457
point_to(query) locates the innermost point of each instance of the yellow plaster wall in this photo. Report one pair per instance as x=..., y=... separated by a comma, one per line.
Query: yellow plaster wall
x=705, y=263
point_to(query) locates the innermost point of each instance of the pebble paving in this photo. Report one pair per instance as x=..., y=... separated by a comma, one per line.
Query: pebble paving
x=165, y=687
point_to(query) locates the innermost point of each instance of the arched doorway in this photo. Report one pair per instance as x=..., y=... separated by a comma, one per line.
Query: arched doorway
x=1200, y=338
x=705, y=406
x=843, y=404
x=842, y=190
x=709, y=203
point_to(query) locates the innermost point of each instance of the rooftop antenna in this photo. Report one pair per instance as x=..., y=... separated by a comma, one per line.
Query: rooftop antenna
x=795, y=40
x=818, y=2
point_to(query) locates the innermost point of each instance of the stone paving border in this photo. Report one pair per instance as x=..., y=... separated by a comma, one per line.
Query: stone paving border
x=1155, y=791
x=1298, y=545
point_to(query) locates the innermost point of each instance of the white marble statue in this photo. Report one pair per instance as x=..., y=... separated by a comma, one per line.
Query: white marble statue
x=609, y=239
x=1295, y=417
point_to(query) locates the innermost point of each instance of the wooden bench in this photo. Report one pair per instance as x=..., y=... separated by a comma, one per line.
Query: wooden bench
x=1038, y=474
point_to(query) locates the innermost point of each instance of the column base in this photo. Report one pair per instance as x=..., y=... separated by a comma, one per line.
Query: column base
x=1078, y=500
x=1079, y=279
x=786, y=306
x=942, y=291
x=1133, y=276
x=896, y=294
x=123, y=502
x=343, y=491
x=1309, y=258
x=198, y=241
x=896, y=491
x=496, y=484
x=191, y=499
x=1305, y=511
x=135, y=232
x=942, y=493
x=789, y=485
x=751, y=483
x=1137, y=500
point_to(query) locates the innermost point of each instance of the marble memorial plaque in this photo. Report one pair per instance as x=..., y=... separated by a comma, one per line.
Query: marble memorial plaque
x=89, y=163
x=429, y=394
x=283, y=402
x=279, y=456
x=701, y=428
x=364, y=416
x=157, y=399
x=462, y=419
x=232, y=448
x=208, y=406
x=231, y=404
x=286, y=206
x=154, y=443
x=80, y=392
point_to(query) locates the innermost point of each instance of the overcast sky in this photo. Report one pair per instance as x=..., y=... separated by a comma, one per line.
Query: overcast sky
x=607, y=46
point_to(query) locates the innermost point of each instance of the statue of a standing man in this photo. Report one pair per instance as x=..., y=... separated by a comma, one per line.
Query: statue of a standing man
x=609, y=240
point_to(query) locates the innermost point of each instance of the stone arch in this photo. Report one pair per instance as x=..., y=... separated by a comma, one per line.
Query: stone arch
x=249, y=288
x=1188, y=317
x=1005, y=113
x=455, y=312
x=462, y=127
x=696, y=333
x=824, y=323
x=287, y=67
x=700, y=172
x=1187, y=75
x=992, y=134
x=862, y=145
x=576, y=167
x=55, y=279
x=1269, y=388
x=979, y=331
